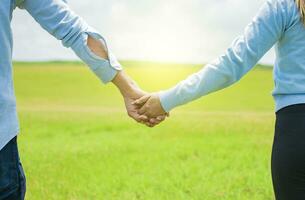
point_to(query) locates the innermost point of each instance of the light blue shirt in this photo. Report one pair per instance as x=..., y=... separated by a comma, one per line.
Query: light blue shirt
x=278, y=23
x=56, y=18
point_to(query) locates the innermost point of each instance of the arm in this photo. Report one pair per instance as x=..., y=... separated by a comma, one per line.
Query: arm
x=56, y=18
x=259, y=36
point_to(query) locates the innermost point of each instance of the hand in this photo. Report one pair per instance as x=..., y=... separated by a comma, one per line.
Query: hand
x=150, y=106
x=132, y=92
x=132, y=109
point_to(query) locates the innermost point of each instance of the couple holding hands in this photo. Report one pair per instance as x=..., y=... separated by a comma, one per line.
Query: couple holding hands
x=279, y=22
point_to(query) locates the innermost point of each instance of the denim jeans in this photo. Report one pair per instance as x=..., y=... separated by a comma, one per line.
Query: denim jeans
x=12, y=178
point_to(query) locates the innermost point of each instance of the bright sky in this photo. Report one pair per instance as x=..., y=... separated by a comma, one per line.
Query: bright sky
x=194, y=31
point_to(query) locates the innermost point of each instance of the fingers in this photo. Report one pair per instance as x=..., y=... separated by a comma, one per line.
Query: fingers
x=148, y=113
x=143, y=118
x=153, y=121
x=161, y=118
x=141, y=100
x=137, y=117
x=149, y=124
x=143, y=110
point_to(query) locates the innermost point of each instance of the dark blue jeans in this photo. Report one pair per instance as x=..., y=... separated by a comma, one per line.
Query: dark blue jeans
x=12, y=178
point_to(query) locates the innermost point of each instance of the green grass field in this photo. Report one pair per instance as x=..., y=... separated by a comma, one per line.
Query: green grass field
x=77, y=142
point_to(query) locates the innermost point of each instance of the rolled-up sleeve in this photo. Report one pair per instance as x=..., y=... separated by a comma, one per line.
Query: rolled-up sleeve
x=59, y=20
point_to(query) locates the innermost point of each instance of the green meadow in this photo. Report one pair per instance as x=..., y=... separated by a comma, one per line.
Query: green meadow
x=77, y=143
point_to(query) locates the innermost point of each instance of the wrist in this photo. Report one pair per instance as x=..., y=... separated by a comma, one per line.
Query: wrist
x=125, y=84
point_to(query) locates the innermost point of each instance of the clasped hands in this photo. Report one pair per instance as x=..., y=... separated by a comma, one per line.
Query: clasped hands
x=145, y=108
x=141, y=106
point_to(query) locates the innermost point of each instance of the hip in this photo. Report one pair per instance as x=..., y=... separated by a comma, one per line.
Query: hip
x=290, y=126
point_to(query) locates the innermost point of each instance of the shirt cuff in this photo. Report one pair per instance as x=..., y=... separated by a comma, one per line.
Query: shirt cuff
x=105, y=72
x=169, y=99
x=104, y=69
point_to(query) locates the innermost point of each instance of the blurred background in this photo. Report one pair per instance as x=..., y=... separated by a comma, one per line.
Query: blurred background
x=78, y=143
x=193, y=31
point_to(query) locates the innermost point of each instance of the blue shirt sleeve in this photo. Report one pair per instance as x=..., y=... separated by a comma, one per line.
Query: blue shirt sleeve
x=56, y=17
x=259, y=36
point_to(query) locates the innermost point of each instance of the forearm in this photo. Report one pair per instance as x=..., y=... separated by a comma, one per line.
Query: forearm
x=202, y=83
x=97, y=47
x=124, y=83
x=259, y=36
x=56, y=17
x=121, y=80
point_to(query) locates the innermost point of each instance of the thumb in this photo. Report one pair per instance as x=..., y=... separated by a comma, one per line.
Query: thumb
x=141, y=100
